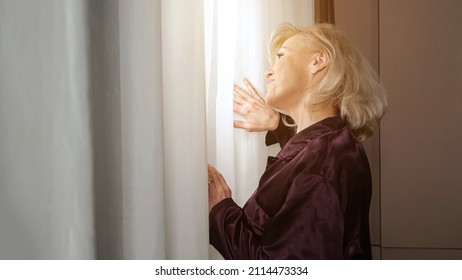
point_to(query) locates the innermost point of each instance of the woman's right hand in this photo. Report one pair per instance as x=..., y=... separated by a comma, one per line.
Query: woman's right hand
x=259, y=116
x=218, y=188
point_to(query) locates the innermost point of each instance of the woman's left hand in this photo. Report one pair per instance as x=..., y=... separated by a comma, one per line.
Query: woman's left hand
x=218, y=189
x=259, y=116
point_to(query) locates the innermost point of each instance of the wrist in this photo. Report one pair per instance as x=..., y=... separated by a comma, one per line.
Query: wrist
x=274, y=121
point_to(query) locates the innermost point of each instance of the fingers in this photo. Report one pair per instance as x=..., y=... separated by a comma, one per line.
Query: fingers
x=237, y=89
x=258, y=114
x=246, y=105
x=241, y=109
x=214, y=178
x=213, y=175
x=219, y=185
x=218, y=190
x=224, y=186
x=211, y=169
x=241, y=96
x=252, y=90
x=247, y=95
x=244, y=125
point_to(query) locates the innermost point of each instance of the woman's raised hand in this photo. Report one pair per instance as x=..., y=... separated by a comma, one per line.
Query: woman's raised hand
x=258, y=115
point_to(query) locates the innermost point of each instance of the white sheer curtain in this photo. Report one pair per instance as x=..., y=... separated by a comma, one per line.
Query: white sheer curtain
x=237, y=34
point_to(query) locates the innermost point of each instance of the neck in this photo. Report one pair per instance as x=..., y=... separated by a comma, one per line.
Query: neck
x=305, y=118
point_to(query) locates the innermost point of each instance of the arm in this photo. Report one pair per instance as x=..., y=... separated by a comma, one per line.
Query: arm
x=308, y=226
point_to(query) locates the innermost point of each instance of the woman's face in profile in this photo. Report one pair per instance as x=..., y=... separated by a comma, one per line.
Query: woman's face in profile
x=289, y=76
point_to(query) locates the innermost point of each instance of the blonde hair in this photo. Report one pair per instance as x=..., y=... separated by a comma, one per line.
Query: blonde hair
x=350, y=84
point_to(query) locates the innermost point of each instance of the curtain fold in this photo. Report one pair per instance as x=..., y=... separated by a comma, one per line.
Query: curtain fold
x=106, y=133
x=142, y=142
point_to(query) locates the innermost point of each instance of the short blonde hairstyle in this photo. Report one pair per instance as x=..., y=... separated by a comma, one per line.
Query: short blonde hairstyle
x=350, y=84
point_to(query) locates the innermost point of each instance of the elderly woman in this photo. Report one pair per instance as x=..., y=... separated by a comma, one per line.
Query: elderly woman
x=313, y=200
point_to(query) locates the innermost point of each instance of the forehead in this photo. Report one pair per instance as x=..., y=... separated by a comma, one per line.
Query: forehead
x=294, y=43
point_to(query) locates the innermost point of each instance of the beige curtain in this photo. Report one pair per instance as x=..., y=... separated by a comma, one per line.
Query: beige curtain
x=102, y=130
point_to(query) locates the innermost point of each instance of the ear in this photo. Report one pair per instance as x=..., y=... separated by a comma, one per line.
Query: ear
x=318, y=63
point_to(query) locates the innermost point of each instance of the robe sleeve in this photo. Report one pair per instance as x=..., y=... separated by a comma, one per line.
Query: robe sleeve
x=281, y=134
x=309, y=225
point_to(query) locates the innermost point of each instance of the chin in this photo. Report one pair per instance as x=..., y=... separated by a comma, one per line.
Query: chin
x=269, y=98
x=272, y=101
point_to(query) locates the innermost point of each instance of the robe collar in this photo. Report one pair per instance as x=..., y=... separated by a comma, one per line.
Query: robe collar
x=316, y=130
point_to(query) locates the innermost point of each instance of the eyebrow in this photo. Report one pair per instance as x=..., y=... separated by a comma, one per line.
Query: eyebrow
x=282, y=49
x=286, y=48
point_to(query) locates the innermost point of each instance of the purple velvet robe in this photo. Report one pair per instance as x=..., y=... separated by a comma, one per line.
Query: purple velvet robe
x=312, y=202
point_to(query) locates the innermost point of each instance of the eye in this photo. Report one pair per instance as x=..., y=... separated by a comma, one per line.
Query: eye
x=279, y=55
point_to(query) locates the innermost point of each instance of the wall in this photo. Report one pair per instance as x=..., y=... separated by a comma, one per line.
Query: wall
x=421, y=152
x=416, y=157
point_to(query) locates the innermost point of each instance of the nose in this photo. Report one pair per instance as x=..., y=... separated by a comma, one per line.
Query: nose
x=269, y=73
